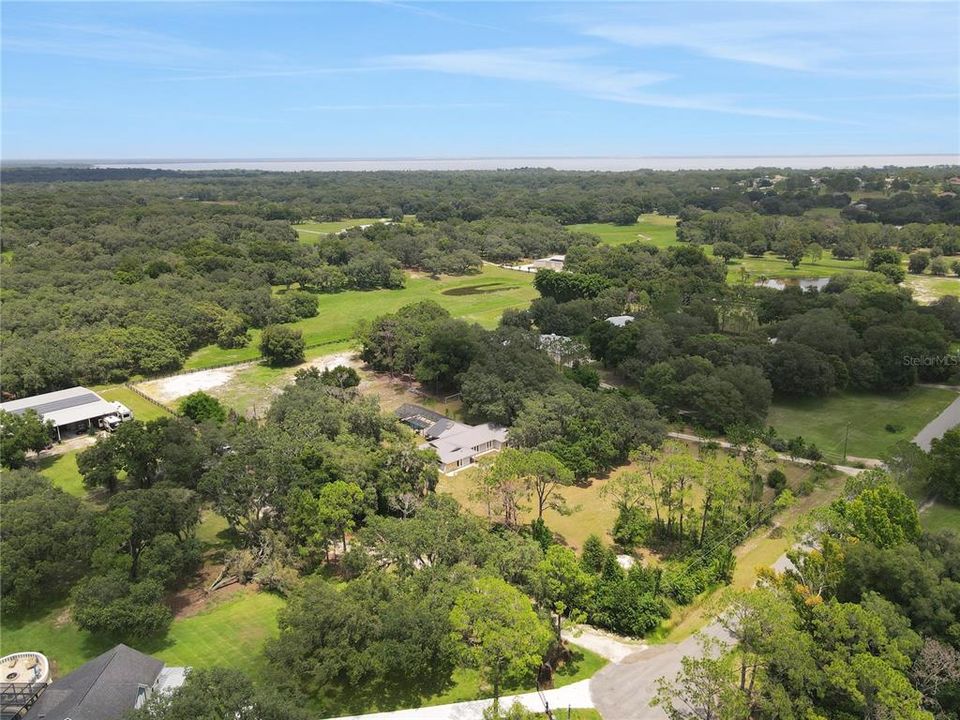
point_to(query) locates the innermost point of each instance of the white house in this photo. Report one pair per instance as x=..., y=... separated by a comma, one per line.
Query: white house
x=457, y=445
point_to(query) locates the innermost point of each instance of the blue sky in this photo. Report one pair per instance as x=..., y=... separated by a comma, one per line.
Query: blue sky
x=403, y=79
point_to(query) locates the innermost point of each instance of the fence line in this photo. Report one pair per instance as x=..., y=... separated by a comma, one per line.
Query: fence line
x=146, y=397
x=234, y=363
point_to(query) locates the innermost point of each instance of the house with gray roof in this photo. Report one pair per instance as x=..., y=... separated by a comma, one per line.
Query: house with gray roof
x=107, y=687
x=457, y=444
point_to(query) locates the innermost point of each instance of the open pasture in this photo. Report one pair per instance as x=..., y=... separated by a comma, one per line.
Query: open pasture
x=825, y=421
x=659, y=230
x=479, y=298
x=310, y=232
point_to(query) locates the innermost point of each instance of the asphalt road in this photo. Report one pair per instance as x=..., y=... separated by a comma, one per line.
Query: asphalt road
x=623, y=691
x=946, y=420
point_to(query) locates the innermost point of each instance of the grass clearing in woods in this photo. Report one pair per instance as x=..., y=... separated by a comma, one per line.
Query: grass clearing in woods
x=339, y=313
x=824, y=421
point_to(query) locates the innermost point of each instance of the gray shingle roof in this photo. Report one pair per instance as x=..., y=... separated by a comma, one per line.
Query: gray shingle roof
x=105, y=688
x=409, y=410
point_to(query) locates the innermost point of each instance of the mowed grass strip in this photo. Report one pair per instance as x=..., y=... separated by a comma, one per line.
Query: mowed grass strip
x=142, y=409
x=311, y=232
x=825, y=421
x=479, y=298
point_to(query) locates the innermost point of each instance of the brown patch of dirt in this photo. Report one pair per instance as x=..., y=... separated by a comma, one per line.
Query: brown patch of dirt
x=63, y=618
x=194, y=597
x=393, y=391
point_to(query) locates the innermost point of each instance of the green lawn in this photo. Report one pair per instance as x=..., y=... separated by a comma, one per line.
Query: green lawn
x=659, y=230
x=824, y=421
x=478, y=298
x=941, y=517
x=466, y=682
x=62, y=470
x=230, y=634
x=310, y=232
x=142, y=409
x=774, y=267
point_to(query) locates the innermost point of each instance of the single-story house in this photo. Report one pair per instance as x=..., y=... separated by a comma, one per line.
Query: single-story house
x=620, y=320
x=107, y=687
x=72, y=410
x=457, y=445
x=554, y=262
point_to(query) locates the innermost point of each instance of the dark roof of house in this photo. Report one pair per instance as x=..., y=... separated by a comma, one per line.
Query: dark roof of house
x=105, y=688
x=438, y=428
x=409, y=410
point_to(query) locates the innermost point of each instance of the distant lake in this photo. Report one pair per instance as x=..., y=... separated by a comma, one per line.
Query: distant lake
x=559, y=163
x=804, y=283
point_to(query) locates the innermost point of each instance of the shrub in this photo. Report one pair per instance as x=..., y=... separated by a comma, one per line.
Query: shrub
x=776, y=479
x=282, y=345
x=630, y=528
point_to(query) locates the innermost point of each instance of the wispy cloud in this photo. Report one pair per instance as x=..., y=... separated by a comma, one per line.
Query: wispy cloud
x=907, y=41
x=575, y=70
x=436, y=15
x=134, y=47
x=560, y=67
x=393, y=106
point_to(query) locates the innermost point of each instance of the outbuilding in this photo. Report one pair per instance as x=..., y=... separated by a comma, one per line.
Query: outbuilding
x=70, y=411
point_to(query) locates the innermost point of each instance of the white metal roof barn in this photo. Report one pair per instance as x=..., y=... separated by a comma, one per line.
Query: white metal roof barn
x=63, y=407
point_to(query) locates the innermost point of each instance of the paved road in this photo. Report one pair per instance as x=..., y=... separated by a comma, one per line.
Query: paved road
x=576, y=695
x=946, y=420
x=845, y=469
x=623, y=691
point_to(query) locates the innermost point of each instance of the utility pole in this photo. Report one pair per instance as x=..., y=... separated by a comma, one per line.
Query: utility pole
x=846, y=434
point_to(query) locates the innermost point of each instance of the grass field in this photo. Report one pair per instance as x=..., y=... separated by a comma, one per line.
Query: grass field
x=62, y=470
x=594, y=513
x=659, y=230
x=774, y=267
x=310, y=232
x=480, y=298
x=230, y=633
x=941, y=517
x=927, y=288
x=824, y=421
x=142, y=409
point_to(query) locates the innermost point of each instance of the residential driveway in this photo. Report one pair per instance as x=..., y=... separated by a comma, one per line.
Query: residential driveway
x=945, y=421
x=623, y=691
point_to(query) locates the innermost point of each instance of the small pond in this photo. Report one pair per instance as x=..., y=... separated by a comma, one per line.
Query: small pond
x=480, y=289
x=804, y=283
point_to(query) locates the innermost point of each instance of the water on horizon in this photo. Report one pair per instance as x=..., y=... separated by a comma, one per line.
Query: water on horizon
x=800, y=162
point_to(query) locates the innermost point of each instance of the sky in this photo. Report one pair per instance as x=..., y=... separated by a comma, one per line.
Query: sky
x=411, y=79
